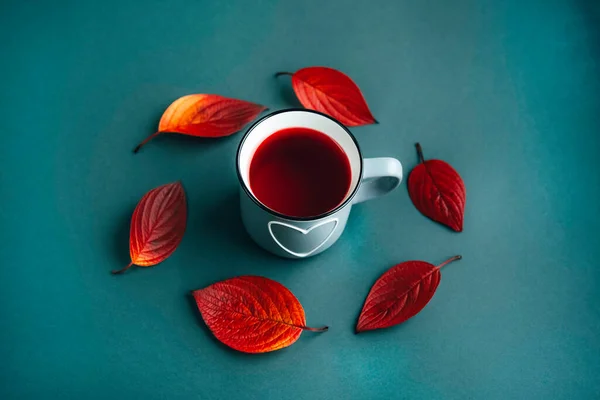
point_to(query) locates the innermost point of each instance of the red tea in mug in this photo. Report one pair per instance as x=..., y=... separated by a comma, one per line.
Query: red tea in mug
x=300, y=172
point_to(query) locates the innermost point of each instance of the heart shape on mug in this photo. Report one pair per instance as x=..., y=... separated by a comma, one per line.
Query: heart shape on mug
x=303, y=232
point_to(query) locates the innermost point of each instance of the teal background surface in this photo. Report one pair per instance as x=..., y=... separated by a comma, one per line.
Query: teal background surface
x=508, y=92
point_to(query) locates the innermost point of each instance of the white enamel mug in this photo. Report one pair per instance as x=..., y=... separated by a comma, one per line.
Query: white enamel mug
x=296, y=237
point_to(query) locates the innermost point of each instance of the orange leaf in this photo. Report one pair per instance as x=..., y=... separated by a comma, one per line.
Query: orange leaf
x=157, y=225
x=205, y=115
x=252, y=314
x=331, y=92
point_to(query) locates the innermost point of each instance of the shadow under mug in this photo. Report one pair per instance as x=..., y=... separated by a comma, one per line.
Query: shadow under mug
x=297, y=237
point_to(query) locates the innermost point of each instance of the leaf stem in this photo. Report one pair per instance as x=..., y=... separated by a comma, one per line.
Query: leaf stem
x=120, y=271
x=420, y=152
x=139, y=146
x=323, y=329
x=278, y=74
x=448, y=261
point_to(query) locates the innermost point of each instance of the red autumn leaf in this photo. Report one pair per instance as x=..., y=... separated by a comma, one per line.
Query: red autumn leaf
x=331, y=92
x=252, y=314
x=157, y=225
x=399, y=294
x=438, y=191
x=205, y=115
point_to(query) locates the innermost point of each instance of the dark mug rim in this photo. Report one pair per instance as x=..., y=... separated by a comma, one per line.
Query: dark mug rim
x=289, y=217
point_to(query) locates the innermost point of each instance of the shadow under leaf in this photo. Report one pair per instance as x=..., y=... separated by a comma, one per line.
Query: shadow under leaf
x=121, y=238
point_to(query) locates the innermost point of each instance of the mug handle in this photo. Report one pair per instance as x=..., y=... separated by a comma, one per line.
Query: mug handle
x=380, y=176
